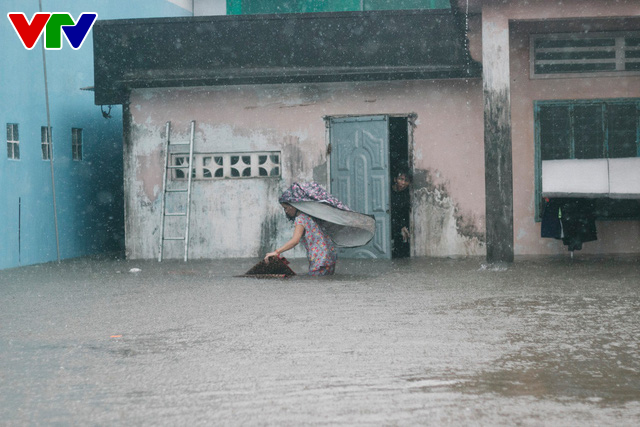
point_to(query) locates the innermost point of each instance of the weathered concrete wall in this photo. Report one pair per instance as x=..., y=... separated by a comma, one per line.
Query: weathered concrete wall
x=497, y=136
x=538, y=16
x=613, y=236
x=443, y=229
x=564, y=9
x=241, y=217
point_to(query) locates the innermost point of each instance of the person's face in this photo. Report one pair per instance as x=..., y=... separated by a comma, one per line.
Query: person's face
x=289, y=210
x=402, y=182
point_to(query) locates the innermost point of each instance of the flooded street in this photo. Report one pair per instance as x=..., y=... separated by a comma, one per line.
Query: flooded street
x=544, y=341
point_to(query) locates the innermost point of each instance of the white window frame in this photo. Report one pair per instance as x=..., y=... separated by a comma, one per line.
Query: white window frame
x=13, y=141
x=45, y=138
x=76, y=144
x=620, y=49
x=217, y=166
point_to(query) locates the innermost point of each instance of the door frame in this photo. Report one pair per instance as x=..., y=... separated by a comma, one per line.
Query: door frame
x=411, y=125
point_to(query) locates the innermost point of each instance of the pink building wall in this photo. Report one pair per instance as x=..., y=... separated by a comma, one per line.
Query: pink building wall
x=613, y=236
x=242, y=213
x=241, y=218
x=521, y=18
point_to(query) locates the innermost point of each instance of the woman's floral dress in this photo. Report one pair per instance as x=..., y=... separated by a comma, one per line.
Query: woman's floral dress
x=320, y=249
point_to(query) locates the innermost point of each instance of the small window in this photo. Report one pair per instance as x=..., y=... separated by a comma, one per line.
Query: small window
x=45, y=138
x=577, y=54
x=76, y=144
x=13, y=141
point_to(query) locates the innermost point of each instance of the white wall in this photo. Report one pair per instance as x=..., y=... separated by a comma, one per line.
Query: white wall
x=210, y=7
x=202, y=7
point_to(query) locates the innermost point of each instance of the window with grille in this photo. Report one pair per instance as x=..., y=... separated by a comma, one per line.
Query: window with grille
x=13, y=141
x=577, y=54
x=209, y=166
x=588, y=129
x=76, y=144
x=45, y=138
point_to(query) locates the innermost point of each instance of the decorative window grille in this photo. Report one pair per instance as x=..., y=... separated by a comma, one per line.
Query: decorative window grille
x=208, y=166
x=13, y=141
x=76, y=144
x=573, y=55
x=45, y=137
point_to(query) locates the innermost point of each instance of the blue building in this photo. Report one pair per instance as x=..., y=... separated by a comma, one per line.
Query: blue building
x=86, y=141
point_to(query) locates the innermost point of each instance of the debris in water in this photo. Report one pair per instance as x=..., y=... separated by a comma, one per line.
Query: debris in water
x=497, y=266
x=275, y=268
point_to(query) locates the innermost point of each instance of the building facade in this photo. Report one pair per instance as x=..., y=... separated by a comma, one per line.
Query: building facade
x=86, y=147
x=474, y=120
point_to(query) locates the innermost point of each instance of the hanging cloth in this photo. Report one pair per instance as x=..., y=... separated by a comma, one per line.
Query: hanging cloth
x=570, y=219
x=551, y=225
x=346, y=227
x=578, y=223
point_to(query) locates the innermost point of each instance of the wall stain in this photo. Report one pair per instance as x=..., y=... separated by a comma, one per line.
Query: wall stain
x=498, y=173
x=320, y=173
x=268, y=234
x=440, y=227
x=293, y=162
x=274, y=221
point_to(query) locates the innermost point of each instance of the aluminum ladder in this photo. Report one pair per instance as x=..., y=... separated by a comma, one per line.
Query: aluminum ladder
x=178, y=191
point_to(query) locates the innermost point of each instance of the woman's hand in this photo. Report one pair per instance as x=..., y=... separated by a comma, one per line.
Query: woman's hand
x=270, y=254
x=297, y=235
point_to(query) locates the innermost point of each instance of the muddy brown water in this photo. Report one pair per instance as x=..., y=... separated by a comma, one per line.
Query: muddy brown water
x=542, y=341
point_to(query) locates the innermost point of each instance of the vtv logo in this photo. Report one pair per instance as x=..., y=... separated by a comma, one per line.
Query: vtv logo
x=53, y=24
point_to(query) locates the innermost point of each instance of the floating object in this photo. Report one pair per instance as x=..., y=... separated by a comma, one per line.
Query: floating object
x=116, y=336
x=135, y=270
x=346, y=227
x=275, y=268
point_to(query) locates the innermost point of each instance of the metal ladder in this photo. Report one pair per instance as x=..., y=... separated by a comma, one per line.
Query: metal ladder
x=187, y=191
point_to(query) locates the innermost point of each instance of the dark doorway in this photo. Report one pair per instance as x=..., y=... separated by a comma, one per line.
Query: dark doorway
x=400, y=201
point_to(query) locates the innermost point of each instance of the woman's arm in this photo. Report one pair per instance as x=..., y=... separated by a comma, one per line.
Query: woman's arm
x=297, y=235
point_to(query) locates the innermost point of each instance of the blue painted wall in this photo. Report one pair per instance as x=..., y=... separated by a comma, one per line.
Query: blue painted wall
x=89, y=193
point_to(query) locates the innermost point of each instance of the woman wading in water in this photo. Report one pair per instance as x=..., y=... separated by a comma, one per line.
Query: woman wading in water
x=321, y=250
x=322, y=223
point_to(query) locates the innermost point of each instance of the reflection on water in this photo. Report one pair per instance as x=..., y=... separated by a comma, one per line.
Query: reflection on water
x=577, y=347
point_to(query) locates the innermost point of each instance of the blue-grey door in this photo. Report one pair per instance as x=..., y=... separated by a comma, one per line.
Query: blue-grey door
x=360, y=176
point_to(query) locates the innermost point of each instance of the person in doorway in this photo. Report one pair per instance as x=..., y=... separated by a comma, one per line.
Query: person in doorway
x=400, y=207
x=321, y=251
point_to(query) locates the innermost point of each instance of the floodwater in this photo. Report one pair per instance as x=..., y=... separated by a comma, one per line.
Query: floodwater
x=540, y=342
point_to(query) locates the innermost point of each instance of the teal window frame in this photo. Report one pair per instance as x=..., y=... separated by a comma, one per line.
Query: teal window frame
x=570, y=134
x=580, y=54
